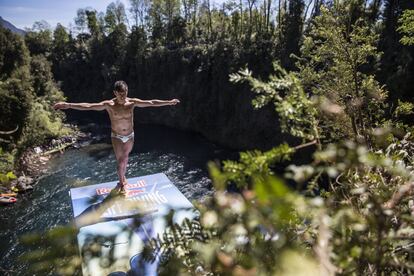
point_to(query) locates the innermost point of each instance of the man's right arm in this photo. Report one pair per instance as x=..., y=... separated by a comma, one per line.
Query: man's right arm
x=82, y=106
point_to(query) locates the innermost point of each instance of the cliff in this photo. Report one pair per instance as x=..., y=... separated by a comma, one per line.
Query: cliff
x=210, y=104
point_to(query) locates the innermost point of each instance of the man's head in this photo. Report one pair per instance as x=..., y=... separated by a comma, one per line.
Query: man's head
x=120, y=90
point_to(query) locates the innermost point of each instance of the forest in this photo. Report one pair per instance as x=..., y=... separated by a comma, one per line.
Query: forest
x=278, y=79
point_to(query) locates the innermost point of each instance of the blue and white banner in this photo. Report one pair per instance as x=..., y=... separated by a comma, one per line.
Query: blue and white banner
x=123, y=225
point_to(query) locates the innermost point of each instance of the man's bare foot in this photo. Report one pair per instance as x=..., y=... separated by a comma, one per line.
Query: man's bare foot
x=120, y=189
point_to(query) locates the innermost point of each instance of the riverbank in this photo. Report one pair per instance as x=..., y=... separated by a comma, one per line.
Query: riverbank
x=33, y=162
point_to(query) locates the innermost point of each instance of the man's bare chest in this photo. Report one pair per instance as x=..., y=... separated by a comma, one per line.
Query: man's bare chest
x=119, y=113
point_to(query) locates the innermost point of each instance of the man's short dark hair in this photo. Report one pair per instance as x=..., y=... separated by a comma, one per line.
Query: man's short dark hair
x=120, y=86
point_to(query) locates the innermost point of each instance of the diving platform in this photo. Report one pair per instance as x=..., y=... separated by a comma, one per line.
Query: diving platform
x=113, y=229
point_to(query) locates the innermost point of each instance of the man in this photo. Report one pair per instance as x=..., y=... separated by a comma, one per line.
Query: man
x=120, y=110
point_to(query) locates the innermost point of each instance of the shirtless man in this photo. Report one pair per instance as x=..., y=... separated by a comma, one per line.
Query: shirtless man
x=120, y=110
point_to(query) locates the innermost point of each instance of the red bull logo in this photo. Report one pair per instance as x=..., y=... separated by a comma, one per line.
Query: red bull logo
x=139, y=184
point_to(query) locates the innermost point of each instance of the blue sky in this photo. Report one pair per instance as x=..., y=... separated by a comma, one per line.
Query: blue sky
x=23, y=13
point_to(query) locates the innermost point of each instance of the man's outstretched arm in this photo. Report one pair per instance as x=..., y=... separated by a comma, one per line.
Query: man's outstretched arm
x=153, y=103
x=82, y=106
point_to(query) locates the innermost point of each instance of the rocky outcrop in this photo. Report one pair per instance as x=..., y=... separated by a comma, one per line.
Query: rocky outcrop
x=210, y=104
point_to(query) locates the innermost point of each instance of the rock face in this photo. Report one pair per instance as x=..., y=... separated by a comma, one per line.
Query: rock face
x=22, y=184
x=224, y=117
x=210, y=104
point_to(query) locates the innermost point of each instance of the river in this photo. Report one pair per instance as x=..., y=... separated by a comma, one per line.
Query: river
x=182, y=156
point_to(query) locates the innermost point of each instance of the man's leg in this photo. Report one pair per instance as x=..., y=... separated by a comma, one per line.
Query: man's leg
x=122, y=151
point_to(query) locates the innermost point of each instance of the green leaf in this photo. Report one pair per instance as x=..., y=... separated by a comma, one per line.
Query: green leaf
x=11, y=175
x=269, y=187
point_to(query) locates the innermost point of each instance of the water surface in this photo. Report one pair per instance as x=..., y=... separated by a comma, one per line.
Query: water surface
x=180, y=155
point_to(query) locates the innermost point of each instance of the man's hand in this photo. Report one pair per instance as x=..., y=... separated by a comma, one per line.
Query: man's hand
x=175, y=101
x=61, y=105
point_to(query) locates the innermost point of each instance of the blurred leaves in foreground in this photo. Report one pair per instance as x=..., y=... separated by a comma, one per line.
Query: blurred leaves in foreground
x=354, y=214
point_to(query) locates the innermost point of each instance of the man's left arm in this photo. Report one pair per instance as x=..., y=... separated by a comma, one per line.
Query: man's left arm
x=153, y=103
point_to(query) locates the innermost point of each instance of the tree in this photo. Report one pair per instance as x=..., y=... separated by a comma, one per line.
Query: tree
x=189, y=11
x=292, y=33
x=40, y=70
x=40, y=26
x=397, y=61
x=280, y=19
x=250, y=4
x=93, y=24
x=60, y=50
x=81, y=21
x=39, y=39
x=171, y=9
x=27, y=89
x=205, y=19
x=139, y=10
x=115, y=15
x=333, y=56
x=15, y=96
x=156, y=24
x=374, y=11
x=13, y=54
x=406, y=27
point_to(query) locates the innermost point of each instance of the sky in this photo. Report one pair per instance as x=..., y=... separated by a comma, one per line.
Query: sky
x=23, y=13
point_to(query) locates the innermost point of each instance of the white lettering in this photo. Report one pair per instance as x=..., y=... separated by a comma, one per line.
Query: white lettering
x=152, y=197
x=149, y=200
x=162, y=198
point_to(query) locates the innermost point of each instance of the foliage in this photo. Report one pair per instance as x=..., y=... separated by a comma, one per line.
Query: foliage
x=253, y=163
x=27, y=91
x=362, y=225
x=291, y=33
x=332, y=67
x=407, y=27
x=354, y=216
x=6, y=177
x=15, y=106
x=163, y=28
x=7, y=161
x=39, y=39
x=396, y=63
x=248, y=233
x=229, y=36
x=58, y=248
x=176, y=239
x=361, y=221
x=367, y=203
x=44, y=124
x=14, y=54
x=297, y=114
